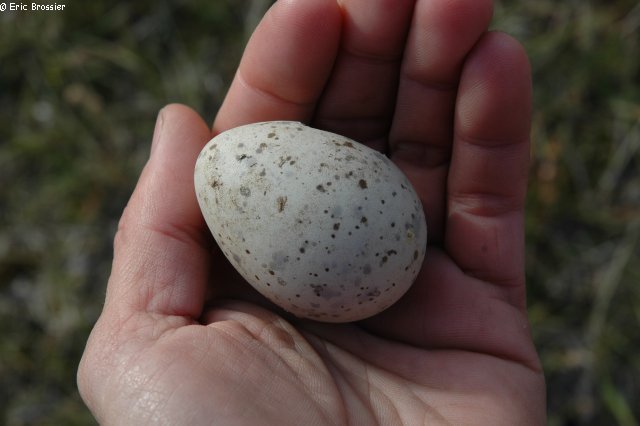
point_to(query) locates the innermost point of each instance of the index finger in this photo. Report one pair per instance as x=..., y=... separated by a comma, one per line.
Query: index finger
x=285, y=65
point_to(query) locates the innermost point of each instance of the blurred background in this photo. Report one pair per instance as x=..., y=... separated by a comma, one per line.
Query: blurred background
x=79, y=93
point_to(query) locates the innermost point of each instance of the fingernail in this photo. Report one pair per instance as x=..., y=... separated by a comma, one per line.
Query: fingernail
x=157, y=131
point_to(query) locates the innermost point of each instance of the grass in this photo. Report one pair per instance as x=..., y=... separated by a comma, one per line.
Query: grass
x=583, y=221
x=79, y=91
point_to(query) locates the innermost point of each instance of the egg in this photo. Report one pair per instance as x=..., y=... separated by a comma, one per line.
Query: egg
x=321, y=225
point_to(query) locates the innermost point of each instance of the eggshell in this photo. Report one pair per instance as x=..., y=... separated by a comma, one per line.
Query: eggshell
x=321, y=225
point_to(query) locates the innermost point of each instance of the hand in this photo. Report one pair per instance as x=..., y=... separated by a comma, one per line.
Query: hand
x=450, y=103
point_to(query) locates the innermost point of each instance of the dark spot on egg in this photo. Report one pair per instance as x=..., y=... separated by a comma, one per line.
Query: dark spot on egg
x=362, y=183
x=320, y=188
x=245, y=191
x=283, y=160
x=336, y=226
x=281, y=202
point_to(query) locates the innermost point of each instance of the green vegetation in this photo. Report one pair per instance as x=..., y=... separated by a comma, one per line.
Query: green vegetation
x=583, y=222
x=79, y=91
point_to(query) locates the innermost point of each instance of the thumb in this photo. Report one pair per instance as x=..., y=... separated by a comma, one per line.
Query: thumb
x=161, y=253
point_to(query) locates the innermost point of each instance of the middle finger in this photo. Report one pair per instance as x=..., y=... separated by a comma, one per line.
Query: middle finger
x=359, y=98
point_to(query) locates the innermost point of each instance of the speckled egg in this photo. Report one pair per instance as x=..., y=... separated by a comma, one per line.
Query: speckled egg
x=321, y=225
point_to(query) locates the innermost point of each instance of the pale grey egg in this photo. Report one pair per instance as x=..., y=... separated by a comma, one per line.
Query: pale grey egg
x=321, y=225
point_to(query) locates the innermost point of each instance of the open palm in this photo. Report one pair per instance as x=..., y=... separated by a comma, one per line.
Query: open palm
x=182, y=340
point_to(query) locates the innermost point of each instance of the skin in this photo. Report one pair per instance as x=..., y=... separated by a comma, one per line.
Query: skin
x=182, y=340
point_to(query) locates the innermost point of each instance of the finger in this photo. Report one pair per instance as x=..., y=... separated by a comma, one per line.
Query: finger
x=285, y=64
x=443, y=32
x=161, y=252
x=447, y=308
x=359, y=98
x=489, y=167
